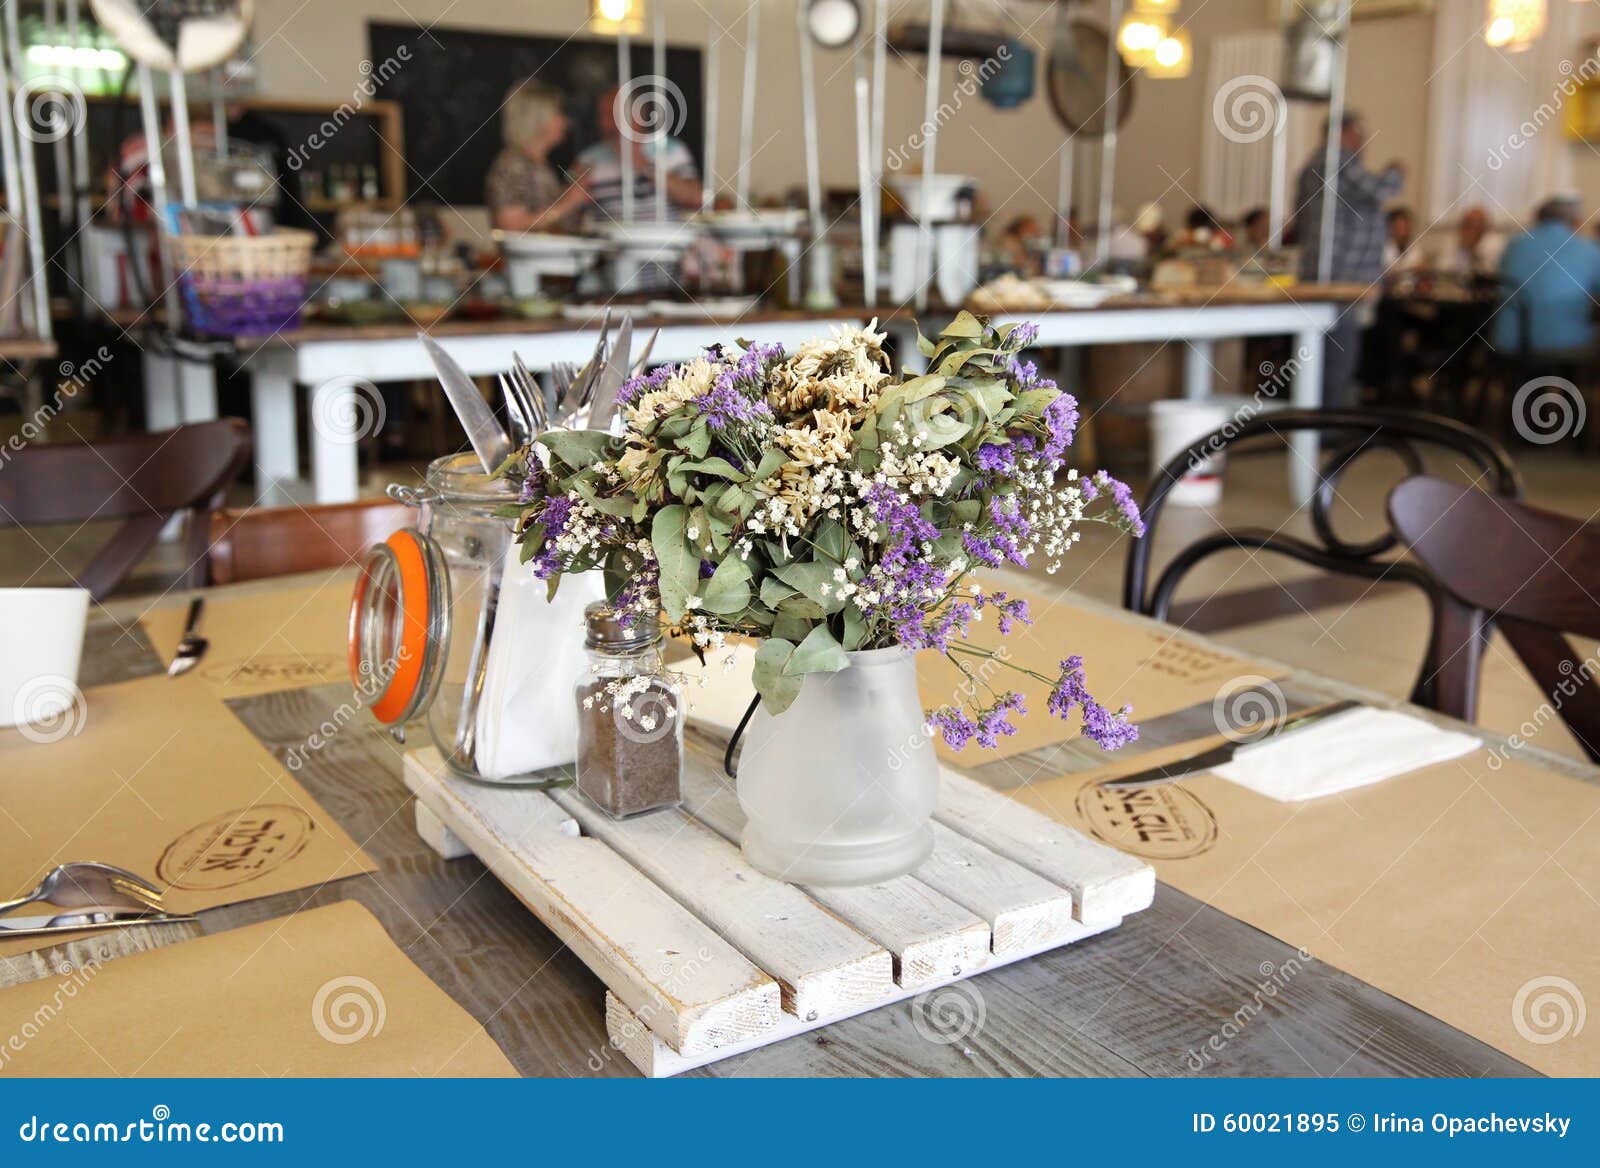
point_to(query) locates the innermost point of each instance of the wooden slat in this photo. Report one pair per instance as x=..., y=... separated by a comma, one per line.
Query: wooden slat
x=930, y=936
x=438, y=836
x=658, y=1060
x=1025, y=912
x=826, y=968
x=1106, y=884
x=686, y=983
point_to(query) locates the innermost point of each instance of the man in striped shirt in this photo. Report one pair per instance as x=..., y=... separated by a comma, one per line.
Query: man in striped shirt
x=599, y=168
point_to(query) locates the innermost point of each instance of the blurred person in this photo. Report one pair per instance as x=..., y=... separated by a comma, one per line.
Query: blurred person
x=1400, y=251
x=523, y=191
x=1477, y=249
x=1202, y=229
x=1551, y=277
x=1020, y=242
x=1356, y=252
x=599, y=168
x=1257, y=229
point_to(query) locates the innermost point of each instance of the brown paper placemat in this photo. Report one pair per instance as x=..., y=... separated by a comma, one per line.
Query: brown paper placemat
x=1156, y=671
x=1472, y=893
x=263, y=641
x=163, y=780
x=324, y=992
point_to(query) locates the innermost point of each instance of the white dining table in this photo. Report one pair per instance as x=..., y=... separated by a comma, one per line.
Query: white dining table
x=1198, y=326
x=330, y=367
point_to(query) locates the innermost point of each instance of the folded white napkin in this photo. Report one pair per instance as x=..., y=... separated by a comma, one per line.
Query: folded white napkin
x=528, y=715
x=1348, y=750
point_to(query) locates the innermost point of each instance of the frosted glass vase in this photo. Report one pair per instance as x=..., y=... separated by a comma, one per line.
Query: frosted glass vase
x=839, y=789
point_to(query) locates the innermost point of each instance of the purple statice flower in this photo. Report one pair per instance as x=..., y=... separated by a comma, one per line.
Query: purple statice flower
x=1011, y=611
x=1061, y=423
x=707, y=569
x=533, y=481
x=642, y=587
x=738, y=394
x=953, y=725
x=555, y=514
x=1023, y=335
x=904, y=576
x=1010, y=530
x=994, y=723
x=1093, y=486
x=1110, y=729
x=644, y=383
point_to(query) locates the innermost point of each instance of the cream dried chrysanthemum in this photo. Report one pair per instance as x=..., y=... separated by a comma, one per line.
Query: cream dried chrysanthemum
x=826, y=441
x=844, y=371
x=692, y=379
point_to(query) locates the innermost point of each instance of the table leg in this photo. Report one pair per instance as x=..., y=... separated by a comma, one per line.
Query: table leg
x=272, y=402
x=1306, y=393
x=161, y=410
x=335, y=449
x=197, y=390
x=1198, y=367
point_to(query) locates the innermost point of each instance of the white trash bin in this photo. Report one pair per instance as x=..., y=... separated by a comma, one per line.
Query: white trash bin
x=1174, y=425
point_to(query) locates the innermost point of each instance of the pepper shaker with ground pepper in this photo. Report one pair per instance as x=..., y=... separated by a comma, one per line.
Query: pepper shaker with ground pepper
x=630, y=718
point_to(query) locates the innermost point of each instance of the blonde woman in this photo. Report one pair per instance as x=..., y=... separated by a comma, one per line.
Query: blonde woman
x=523, y=191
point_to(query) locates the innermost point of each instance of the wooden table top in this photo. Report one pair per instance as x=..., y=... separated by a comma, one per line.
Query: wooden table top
x=26, y=349
x=1129, y=1002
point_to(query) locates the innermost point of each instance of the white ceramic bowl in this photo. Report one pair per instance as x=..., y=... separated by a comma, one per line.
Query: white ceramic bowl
x=42, y=631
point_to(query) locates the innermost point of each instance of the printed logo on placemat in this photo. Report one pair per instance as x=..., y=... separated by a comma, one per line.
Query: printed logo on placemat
x=1159, y=823
x=236, y=847
x=289, y=670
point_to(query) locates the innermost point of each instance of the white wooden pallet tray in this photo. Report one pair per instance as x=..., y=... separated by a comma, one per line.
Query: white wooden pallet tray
x=703, y=957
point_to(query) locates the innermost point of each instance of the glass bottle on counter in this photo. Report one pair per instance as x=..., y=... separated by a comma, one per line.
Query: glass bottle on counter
x=630, y=718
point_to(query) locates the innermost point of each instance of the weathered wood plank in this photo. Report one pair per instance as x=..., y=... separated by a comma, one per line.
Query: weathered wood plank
x=691, y=987
x=1106, y=884
x=930, y=936
x=438, y=836
x=825, y=967
x=1026, y=913
x=658, y=1060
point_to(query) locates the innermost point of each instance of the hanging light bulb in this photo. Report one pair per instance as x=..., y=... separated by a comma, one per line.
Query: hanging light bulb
x=1137, y=37
x=610, y=17
x=1172, y=56
x=1513, y=25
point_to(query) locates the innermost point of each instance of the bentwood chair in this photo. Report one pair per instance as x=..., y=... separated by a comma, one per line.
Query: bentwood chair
x=1348, y=436
x=278, y=541
x=142, y=479
x=1502, y=564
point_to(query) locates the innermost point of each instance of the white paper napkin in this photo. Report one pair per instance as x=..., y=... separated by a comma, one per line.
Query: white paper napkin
x=528, y=716
x=1349, y=750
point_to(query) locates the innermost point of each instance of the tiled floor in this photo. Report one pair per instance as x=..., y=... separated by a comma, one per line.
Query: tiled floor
x=1376, y=640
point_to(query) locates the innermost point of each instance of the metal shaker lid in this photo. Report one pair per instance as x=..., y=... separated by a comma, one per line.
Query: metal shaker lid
x=606, y=628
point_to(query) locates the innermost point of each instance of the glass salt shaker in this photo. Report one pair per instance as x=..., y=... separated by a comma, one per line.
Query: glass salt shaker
x=630, y=718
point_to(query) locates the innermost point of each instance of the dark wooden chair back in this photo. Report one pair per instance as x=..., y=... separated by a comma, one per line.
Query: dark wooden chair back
x=142, y=479
x=1500, y=563
x=1348, y=436
x=278, y=541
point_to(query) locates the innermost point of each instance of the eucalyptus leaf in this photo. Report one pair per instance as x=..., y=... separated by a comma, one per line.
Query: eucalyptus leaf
x=776, y=687
x=680, y=566
x=727, y=593
x=965, y=325
x=814, y=581
x=577, y=448
x=792, y=628
x=820, y=652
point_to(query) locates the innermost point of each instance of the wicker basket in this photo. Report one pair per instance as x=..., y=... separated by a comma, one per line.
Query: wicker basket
x=243, y=285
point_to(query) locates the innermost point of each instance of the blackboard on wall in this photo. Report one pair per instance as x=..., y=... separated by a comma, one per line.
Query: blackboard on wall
x=451, y=88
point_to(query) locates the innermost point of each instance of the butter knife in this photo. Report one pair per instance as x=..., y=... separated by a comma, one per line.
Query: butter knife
x=612, y=377
x=1216, y=756
x=488, y=438
x=83, y=920
x=191, y=645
